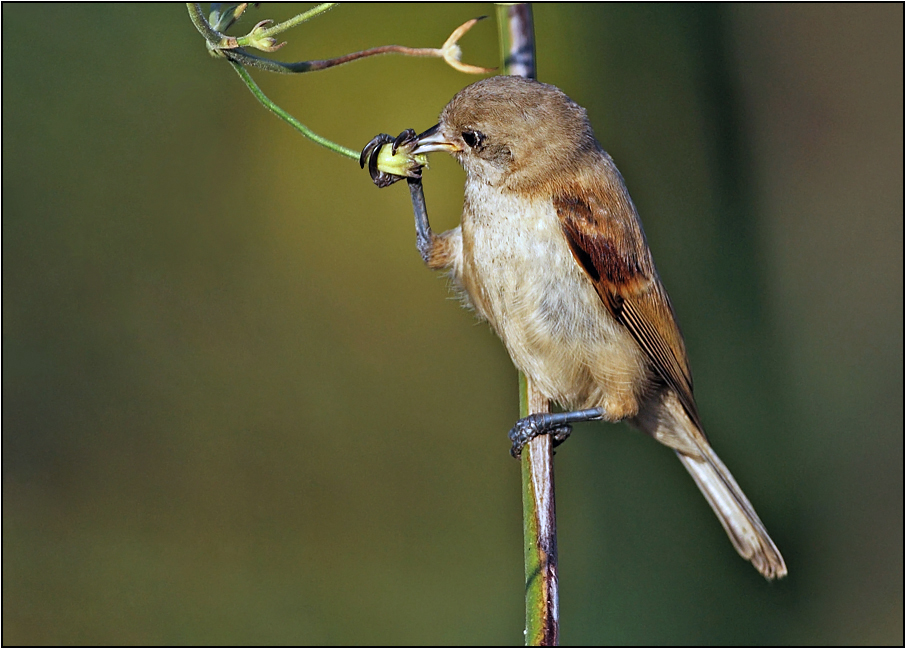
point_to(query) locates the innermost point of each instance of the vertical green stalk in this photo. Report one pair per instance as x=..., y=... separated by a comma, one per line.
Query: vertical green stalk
x=542, y=614
x=542, y=601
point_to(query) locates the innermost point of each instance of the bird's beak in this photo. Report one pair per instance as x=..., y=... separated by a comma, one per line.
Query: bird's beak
x=433, y=140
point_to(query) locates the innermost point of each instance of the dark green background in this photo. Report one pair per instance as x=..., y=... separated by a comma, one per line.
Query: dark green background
x=238, y=409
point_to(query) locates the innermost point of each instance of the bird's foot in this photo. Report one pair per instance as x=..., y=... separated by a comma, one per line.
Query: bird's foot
x=528, y=428
x=386, y=169
x=557, y=425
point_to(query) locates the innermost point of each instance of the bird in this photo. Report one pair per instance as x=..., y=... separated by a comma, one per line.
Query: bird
x=550, y=251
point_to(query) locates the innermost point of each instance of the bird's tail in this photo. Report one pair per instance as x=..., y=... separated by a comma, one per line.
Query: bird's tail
x=735, y=512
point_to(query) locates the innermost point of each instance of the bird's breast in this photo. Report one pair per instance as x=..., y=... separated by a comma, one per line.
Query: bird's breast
x=520, y=275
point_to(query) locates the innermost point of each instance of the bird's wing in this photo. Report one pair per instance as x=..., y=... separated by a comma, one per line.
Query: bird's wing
x=607, y=241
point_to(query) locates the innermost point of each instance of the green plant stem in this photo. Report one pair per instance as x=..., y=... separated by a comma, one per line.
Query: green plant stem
x=230, y=47
x=517, y=39
x=241, y=56
x=542, y=616
x=211, y=35
x=292, y=22
x=292, y=121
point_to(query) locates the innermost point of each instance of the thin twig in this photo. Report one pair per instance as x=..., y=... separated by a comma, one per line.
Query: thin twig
x=542, y=608
x=292, y=121
x=241, y=56
x=519, y=56
x=211, y=35
x=270, y=32
x=229, y=47
x=542, y=597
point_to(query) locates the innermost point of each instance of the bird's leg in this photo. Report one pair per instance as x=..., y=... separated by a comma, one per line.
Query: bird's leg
x=556, y=424
x=425, y=239
x=435, y=250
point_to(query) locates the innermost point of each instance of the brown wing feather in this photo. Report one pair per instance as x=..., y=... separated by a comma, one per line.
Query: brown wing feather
x=606, y=238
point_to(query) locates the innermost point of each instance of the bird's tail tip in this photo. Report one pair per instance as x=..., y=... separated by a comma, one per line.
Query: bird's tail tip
x=736, y=514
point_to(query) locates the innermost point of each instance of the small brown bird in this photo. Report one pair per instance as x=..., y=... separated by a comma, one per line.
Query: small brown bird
x=551, y=252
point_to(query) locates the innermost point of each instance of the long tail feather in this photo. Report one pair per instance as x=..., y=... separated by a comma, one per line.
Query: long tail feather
x=735, y=512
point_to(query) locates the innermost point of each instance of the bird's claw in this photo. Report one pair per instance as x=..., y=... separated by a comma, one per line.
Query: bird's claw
x=404, y=165
x=370, y=155
x=373, y=147
x=406, y=137
x=528, y=428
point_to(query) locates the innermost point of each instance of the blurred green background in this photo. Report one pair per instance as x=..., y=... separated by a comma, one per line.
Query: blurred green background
x=238, y=409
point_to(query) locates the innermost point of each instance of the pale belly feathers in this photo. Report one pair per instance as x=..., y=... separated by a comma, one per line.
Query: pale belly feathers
x=519, y=274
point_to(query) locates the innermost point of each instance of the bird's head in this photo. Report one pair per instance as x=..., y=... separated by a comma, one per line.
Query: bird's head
x=512, y=133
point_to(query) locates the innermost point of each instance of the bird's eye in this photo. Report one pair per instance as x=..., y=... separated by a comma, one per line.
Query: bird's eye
x=473, y=138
